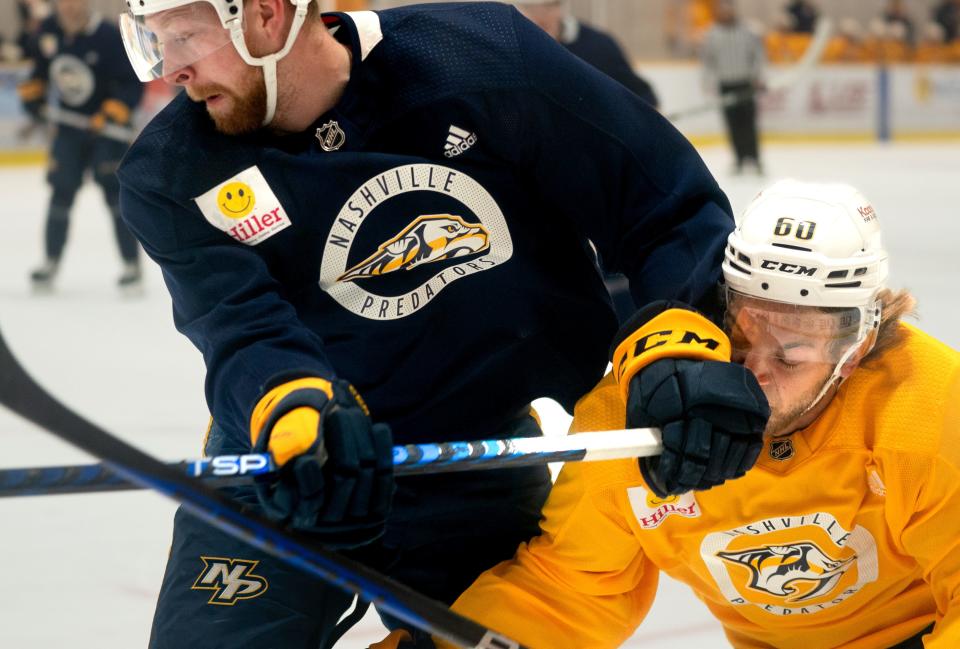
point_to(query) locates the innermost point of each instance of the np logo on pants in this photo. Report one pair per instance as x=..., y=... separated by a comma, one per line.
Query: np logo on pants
x=230, y=580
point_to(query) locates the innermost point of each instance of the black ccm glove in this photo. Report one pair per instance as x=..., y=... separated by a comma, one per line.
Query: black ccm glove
x=335, y=475
x=674, y=372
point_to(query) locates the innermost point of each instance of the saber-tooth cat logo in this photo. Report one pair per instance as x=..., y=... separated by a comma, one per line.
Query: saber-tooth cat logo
x=230, y=580
x=407, y=234
x=428, y=239
x=791, y=565
x=796, y=571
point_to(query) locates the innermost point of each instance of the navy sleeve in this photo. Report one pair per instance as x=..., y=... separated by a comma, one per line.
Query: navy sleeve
x=224, y=300
x=624, y=175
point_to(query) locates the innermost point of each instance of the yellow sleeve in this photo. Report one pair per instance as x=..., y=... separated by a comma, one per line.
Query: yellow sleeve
x=585, y=582
x=932, y=533
x=932, y=536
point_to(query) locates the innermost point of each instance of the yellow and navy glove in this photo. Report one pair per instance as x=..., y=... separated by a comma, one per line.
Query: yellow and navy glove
x=112, y=111
x=674, y=372
x=33, y=96
x=335, y=475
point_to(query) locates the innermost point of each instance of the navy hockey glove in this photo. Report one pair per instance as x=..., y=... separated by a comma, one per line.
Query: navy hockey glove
x=673, y=369
x=335, y=475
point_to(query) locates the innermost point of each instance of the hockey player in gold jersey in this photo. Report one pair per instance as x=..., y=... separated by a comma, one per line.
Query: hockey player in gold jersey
x=846, y=533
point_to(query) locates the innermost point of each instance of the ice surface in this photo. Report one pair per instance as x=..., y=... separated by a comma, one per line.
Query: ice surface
x=83, y=571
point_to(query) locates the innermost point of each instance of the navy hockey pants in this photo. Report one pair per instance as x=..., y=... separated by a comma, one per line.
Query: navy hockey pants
x=443, y=531
x=73, y=152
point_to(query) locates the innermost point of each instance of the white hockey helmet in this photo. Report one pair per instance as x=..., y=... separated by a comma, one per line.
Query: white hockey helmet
x=196, y=29
x=813, y=244
x=800, y=245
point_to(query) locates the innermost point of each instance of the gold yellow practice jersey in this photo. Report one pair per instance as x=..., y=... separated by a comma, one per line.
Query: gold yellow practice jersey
x=845, y=534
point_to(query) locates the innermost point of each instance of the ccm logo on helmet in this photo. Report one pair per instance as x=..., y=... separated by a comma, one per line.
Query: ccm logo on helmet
x=793, y=269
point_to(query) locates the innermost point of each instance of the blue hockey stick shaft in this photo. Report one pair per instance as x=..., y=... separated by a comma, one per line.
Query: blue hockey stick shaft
x=412, y=459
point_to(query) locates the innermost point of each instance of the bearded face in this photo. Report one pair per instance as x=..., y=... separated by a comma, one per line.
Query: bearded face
x=196, y=52
x=236, y=110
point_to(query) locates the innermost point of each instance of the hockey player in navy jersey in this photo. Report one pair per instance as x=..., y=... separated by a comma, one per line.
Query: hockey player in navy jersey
x=377, y=229
x=78, y=58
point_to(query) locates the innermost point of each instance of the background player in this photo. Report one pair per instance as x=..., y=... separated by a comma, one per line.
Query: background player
x=78, y=58
x=403, y=226
x=845, y=532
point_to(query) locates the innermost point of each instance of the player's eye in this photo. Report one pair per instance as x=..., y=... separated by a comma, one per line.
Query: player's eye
x=177, y=41
x=787, y=363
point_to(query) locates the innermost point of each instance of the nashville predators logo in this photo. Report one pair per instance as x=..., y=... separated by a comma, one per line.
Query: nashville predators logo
x=428, y=239
x=434, y=220
x=230, y=580
x=797, y=572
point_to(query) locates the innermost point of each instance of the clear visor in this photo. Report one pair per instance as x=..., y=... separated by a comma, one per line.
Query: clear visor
x=164, y=43
x=793, y=350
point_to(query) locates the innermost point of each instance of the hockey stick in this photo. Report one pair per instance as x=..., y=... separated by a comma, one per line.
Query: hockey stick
x=811, y=55
x=412, y=459
x=82, y=122
x=21, y=394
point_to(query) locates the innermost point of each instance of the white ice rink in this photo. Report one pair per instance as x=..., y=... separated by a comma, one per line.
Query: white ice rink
x=83, y=571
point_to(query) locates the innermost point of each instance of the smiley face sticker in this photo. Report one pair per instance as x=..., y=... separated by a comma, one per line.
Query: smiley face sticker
x=236, y=200
x=245, y=207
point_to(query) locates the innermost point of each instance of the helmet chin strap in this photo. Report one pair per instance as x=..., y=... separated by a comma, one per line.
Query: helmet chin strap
x=270, y=81
x=269, y=62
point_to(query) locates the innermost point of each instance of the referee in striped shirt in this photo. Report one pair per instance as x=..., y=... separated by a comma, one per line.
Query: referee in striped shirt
x=733, y=61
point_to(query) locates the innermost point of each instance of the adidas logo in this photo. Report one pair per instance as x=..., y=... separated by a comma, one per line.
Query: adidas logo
x=458, y=141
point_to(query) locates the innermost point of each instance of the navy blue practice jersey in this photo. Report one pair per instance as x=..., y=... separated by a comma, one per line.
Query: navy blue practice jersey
x=604, y=53
x=85, y=69
x=429, y=238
